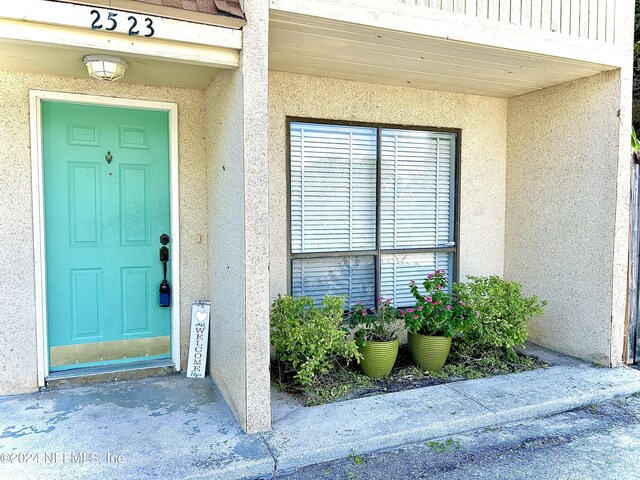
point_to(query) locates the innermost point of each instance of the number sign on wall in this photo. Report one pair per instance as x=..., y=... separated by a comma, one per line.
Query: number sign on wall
x=122, y=22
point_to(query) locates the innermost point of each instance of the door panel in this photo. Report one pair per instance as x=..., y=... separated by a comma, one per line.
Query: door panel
x=136, y=296
x=134, y=205
x=86, y=300
x=84, y=197
x=103, y=221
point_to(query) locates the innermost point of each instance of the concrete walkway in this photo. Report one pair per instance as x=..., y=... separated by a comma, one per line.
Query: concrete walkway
x=174, y=427
x=597, y=442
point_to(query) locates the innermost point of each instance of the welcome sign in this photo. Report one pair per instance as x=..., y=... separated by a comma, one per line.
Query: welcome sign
x=199, y=339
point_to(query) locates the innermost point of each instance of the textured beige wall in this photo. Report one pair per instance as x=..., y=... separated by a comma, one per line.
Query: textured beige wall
x=237, y=149
x=563, y=178
x=17, y=306
x=483, y=121
x=227, y=344
x=255, y=70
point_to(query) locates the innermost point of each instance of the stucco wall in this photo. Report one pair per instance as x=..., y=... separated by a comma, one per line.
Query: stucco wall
x=227, y=344
x=564, y=183
x=237, y=149
x=483, y=121
x=18, y=372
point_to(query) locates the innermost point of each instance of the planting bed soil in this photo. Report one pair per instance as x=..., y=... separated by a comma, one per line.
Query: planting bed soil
x=346, y=382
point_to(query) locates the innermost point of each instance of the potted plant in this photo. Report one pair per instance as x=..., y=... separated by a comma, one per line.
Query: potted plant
x=376, y=334
x=437, y=316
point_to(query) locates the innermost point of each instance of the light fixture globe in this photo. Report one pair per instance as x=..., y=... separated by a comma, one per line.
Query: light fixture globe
x=105, y=67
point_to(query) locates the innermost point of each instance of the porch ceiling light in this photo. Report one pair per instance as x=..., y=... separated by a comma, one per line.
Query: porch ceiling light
x=105, y=67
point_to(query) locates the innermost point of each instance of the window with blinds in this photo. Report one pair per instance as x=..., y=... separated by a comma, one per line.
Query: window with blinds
x=372, y=208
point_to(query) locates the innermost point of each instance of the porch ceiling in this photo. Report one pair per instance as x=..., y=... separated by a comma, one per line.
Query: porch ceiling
x=67, y=61
x=319, y=46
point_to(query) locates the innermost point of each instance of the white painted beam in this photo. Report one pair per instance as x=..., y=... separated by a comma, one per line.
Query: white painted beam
x=164, y=12
x=80, y=16
x=69, y=25
x=48, y=35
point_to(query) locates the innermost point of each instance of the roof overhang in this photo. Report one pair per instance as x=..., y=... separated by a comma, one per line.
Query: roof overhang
x=317, y=38
x=53, y=38
x=222, y=13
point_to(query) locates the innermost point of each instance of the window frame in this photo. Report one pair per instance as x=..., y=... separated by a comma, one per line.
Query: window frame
x=378, y=251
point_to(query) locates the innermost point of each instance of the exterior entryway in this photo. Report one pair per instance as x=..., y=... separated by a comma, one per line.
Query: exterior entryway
x=106, y=204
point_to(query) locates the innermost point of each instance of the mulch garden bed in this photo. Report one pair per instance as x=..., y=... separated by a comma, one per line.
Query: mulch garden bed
x=346, y=382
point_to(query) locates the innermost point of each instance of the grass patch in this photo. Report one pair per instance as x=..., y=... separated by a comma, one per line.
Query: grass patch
x=447, y=446
x=345, y=382
x=356, y=459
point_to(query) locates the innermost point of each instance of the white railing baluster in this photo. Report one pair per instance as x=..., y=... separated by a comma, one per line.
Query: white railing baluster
x=459, y=6
x=483, y=8
x=574, y=21
x=536, y=14
x=515, y=16
x=602, y=21
x=555, y=15
x=565, y=17
x=610, y=22
x=584, y=18
x=545, y=15
x=526, y=13
x=494, y=10
x=591, y=19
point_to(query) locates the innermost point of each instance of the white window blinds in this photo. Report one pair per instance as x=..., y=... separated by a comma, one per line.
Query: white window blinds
x=333, y=188
x=417, y=201
x=416, y=194
x=334, y=195
x=351, y=276
x=397, y=271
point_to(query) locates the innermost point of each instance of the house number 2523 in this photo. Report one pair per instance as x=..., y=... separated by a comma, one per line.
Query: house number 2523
x=110, y=23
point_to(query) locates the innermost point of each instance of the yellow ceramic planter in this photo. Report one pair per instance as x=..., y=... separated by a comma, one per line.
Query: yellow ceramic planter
x=378, y=358
x=429, y=352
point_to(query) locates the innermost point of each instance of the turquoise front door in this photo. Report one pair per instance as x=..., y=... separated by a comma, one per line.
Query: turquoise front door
x=106, y=203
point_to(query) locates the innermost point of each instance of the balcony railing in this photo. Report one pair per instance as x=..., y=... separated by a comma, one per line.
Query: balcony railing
x=588, y=19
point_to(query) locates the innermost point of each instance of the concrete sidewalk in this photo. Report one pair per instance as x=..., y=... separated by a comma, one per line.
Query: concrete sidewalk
x=174, y=427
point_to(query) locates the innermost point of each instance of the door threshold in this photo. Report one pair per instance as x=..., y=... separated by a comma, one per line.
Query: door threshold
x=164, y=367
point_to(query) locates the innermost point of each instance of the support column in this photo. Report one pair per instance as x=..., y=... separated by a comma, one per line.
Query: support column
x=237, y=138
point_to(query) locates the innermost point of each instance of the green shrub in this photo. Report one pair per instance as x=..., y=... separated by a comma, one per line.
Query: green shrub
x=503, y=313
x=309, y=339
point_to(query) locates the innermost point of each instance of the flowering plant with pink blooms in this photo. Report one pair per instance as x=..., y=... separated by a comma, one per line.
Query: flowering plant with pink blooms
x=376, y=325
x=439, y=311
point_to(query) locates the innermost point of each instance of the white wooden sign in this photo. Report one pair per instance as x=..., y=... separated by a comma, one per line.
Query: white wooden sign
x=199, y=339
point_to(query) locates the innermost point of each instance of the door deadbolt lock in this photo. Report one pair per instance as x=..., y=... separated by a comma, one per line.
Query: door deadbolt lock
x=165, y=288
